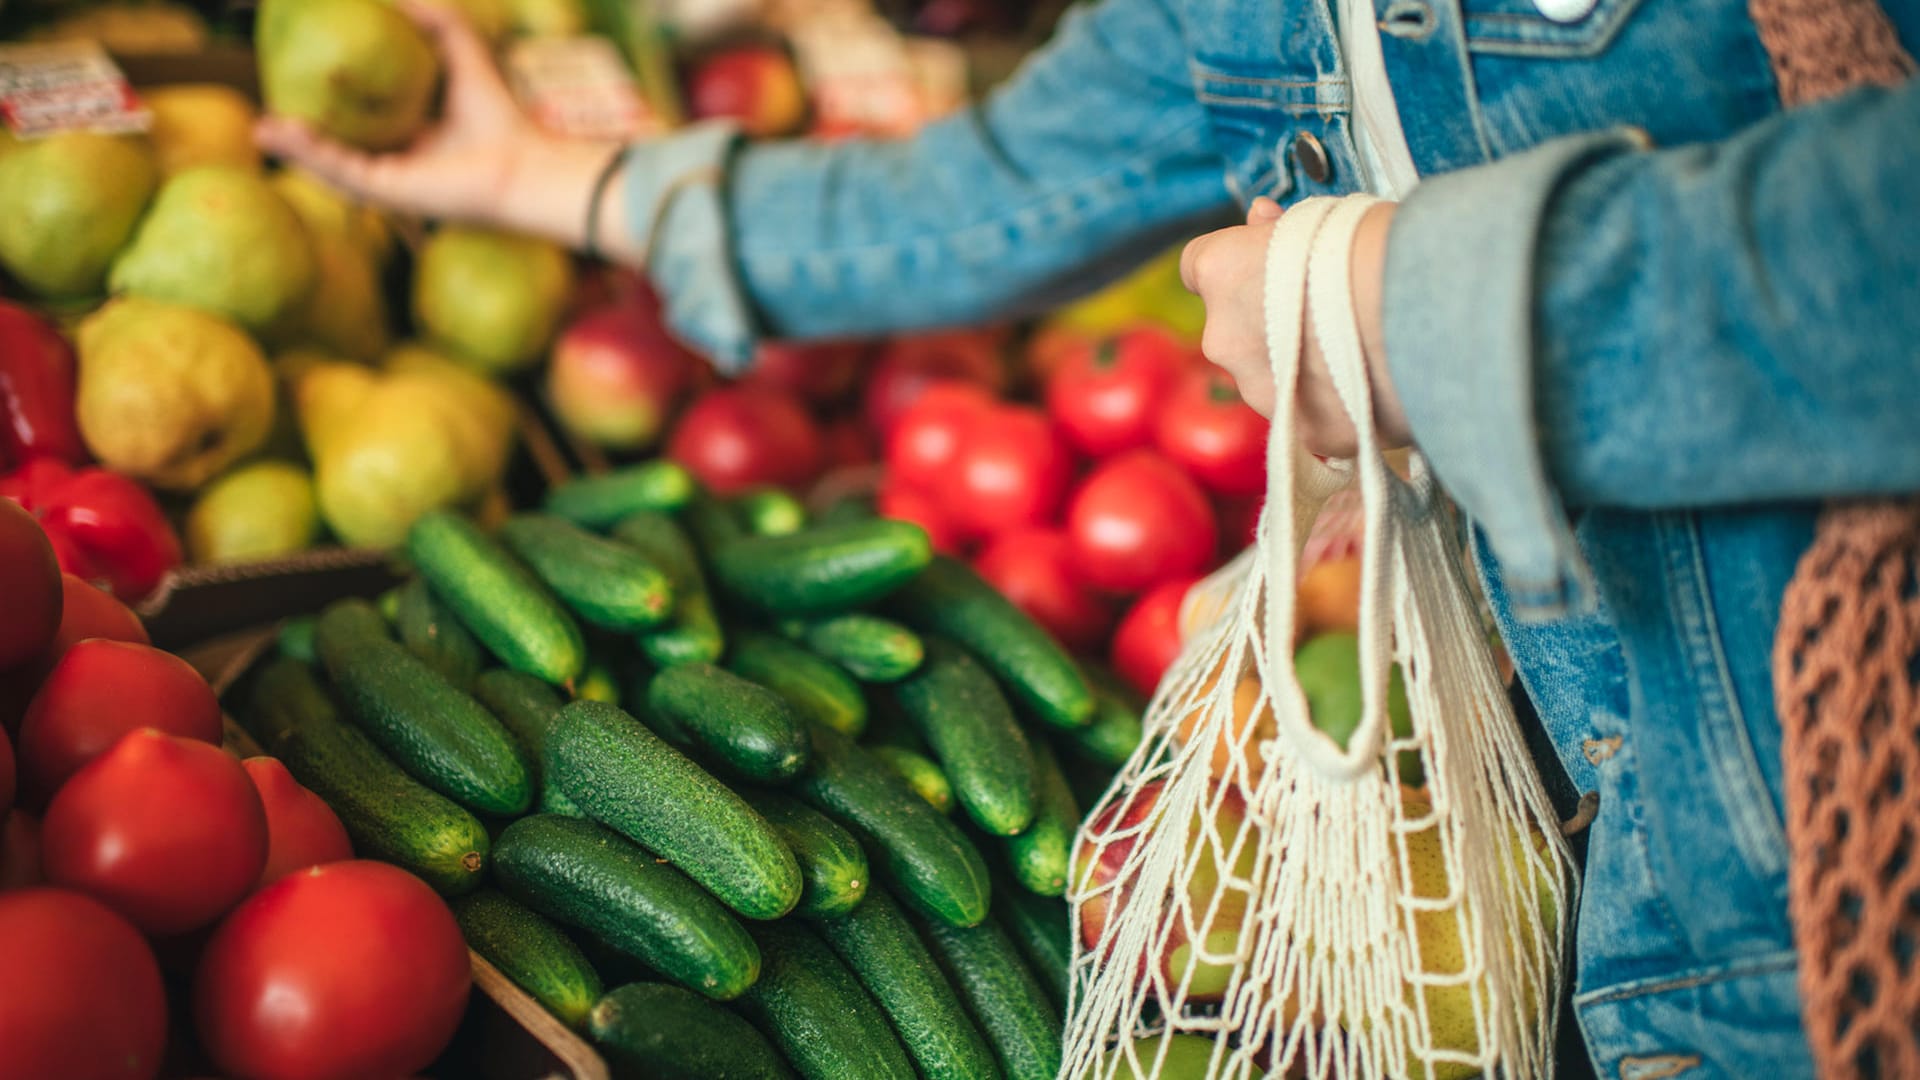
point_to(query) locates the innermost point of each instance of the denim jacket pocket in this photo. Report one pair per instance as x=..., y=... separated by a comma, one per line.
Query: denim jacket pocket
x=1520, y=28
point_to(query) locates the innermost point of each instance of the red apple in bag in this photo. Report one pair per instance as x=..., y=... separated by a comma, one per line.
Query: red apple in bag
x=1217, y=873
x=617, y=375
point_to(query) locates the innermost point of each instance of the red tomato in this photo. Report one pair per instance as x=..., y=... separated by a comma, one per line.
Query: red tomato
x=302, y=830
x=738, y=437
x=1104, y=396
x=85, y=612
x=168, y=831
x=1211, y=433
x=822, y=373
x=30, y=580
x=1010, y=471
x=1034, y=568
x=19, y=851
x=99, y=691
x=353, y=969
x=903, y=503
x=927, y=436
x=1148, y=639
x=1138, y=520
x=909, y=365
x=82, y=998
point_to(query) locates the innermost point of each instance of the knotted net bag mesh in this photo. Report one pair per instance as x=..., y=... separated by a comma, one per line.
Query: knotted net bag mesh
x=1393, y=907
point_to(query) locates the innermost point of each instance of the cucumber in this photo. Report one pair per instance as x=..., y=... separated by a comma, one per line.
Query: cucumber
x=960, y=712
x=620, y=773
x=929, y=861
x=430, y=632
x=1040, y=855
x=656, y=1030
x=813, y=1009
x=745, y=727
x=711, y=523
x=498, y=599
x=296, y=638
x=950, y=599
x=524, y=704
x=587, y=876
x=531, y=951
x=608, y=584
x=555, y=801
x=1116, y=730
x=819, y=691
x=599, y=502
x=822, y=571
x=921, y=773
x=1013, y=1009
x=428, y=726
x=879, y=944
x=831, y=863
x=387, y=813
x=845, y=509
x=692, y=634
x=871, y=648
x=1039, y=928
x=771, y=511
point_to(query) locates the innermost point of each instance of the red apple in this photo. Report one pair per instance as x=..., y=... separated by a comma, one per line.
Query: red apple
x=617, y=375
x=1099, y=865
x=755, y=85
x=823, y=373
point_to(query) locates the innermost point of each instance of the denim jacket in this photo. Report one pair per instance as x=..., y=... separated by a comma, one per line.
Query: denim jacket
x=1640, y=320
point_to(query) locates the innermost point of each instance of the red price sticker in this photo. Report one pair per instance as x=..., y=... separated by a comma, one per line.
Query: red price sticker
x=66, y=86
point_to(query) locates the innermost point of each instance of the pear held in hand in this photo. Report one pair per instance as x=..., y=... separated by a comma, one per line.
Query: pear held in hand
x=357, y=70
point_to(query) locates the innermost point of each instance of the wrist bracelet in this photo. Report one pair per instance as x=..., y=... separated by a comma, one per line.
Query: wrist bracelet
x=591, y=246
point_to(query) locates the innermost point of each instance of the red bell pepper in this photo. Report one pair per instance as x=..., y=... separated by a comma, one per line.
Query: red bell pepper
x=36, y=391
x=104, y=526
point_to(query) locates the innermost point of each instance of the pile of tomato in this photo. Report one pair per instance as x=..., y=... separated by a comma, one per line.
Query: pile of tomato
x=137, y=855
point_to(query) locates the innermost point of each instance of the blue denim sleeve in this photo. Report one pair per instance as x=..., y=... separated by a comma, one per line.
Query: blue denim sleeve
x=1705, y=325
x=1094, y=156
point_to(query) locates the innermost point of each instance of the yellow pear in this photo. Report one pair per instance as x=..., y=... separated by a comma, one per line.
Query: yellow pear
x=325, y=208
x=257, y=511
x=481, y=450
x=169, y=394
x=484, y=397
x=132, y=29
x=356, y=70
x=68, y=203
x=346, y=311
x=201, y=124
x=379, y=469
x=1450, y=1009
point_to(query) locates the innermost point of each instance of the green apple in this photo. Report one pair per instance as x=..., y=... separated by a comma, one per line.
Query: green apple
x=1328, y=666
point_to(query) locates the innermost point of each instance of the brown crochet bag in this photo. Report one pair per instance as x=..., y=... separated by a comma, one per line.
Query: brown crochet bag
x=1846, y=678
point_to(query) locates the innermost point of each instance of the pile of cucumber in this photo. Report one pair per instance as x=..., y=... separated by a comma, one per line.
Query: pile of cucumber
x=802, y=792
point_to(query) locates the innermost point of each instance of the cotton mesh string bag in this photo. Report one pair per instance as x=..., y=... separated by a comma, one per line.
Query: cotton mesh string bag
x=1386, y=901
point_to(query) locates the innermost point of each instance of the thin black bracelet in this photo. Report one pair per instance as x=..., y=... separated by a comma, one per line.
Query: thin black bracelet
x=591, y=248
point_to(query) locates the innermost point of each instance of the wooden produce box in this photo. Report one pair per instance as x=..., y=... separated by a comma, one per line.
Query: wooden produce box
x=505, y=1035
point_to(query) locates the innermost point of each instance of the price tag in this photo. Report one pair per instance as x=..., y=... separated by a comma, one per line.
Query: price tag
x=66, y=86
x=579, y=87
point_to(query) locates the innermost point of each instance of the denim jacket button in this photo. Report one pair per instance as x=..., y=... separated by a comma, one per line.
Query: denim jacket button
x=1565, y=11
x=1312, y=157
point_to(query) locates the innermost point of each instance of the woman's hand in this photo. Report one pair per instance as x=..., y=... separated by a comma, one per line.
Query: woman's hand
x=1228, y=270
x=484, y=161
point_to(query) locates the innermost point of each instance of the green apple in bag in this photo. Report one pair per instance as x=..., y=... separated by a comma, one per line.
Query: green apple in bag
x=1328, y=667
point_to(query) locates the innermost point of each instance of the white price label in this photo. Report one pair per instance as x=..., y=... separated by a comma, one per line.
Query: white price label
x=579, y=87
x=66, y=86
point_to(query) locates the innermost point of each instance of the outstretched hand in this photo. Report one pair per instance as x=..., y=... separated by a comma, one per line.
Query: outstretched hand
x=484, y=161
x=1227, y=269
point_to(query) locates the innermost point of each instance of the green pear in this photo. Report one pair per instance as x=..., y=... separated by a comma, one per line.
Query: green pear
x=492, y=299
x=257, y=511
x=68, y=202
x=346, y=310
x=170, y=394
x=1328, y=666
x=356, y=70
x=326, y=209
x=219, y=239
x=201, y=124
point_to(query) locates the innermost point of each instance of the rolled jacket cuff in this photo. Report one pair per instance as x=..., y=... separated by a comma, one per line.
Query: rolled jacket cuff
x=1460, y=284
x=675, y=192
